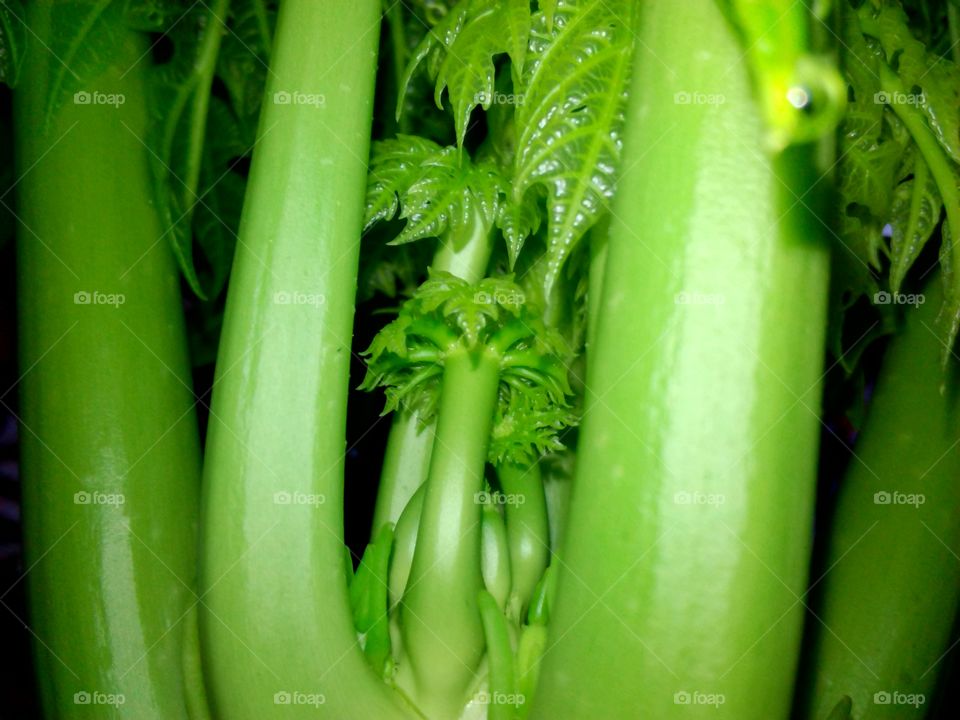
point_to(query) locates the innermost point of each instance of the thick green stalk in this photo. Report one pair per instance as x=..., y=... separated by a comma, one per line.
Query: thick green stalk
x=110, y=452
x=688, y=539
x=407, y=458
x=276, y=626
x=892, y=580
x=442, y=633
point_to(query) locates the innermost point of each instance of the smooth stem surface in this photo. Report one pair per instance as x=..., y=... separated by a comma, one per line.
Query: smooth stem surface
x=689, y=531
x=442, y=632
x=528, y=535
x=110, y=457
x=407, y=457
x=276, y=626
x=892, y=585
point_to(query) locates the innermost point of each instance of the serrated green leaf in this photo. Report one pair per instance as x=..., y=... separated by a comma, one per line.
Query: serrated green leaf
x=179, y=107
x=394, y=166
x=934, y=81
x=448, y=314
x=439, y=191
x=949, y=318
x=914, y=214
x=244, y=58
x=518, y=221
x=569, y=125
x=12, y=39
x=459, y=54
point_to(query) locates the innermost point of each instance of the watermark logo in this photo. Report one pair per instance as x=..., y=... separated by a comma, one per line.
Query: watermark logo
x=95, y=297
x=284, y=297
x=298, y=498
x=84, y=97
x=499, y=498
x=895, y=697
x=282, y=97
x=500, y=297
x=683, y=697
x=699, y=498
x=887, y=298
x=485, y=697
x=498, y=98
x=699, y=98
x=295, y=697
x=898, y=498
x=95, y=697
x=899, y=98
x=688, y=297
x=98, y=498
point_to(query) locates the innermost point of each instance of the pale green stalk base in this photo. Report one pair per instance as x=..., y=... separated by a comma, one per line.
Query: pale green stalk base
x=276, y=627
x=688, y=541
x=442, y=634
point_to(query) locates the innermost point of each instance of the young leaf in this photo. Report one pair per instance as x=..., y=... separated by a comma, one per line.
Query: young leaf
x=459, y=53
x=569, y=125
x=179, y=107
x=915, y=213
x=12, y=38
x=934, y=81
x=368, y=599
x=244, y=58
x=438, y=190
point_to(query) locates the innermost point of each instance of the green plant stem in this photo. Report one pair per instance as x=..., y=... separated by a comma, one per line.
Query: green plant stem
x=407, y=457
x=892, y=585
x=442, y=632
x=106, y=404
x=276, y=617
x=527, y=532
x=503, y=681
x=689, y=531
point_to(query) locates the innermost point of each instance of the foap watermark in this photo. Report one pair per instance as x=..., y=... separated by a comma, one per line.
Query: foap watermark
x=95, y=697
x=898, y=498
x=95, y=297
x=498, y=98
x=899, y=98
x=285, y=297
x=895, y=697
x=94, y=97
x=498, y=498
x=298, y=498
x=684, y=697
x=295, y=697
x=699, y=498
x=98, y=498
x=500, y=297
x=283, y=97
x=699, y=98
x=485, y=697
x=887, y=298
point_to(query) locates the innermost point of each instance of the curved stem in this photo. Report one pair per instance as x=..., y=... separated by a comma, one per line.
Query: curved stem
x=110, y=456
x=442, y=632
x=275, y=619
x=891, y=593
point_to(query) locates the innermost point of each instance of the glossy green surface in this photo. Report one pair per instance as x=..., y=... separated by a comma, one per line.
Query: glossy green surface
x=110, y=457
x=892, y=584
x=276, y=627
x=689, y=530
